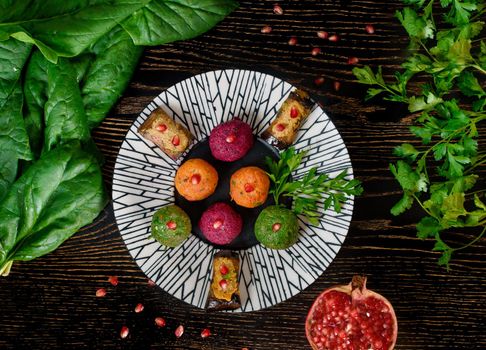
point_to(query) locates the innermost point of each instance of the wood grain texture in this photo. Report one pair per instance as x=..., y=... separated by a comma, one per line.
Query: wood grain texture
x=50, y=303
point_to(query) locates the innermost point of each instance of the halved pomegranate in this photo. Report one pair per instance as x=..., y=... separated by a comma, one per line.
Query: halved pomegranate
x=351, y=317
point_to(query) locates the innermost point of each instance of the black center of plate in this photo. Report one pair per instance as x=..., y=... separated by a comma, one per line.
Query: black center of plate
x=255, y=157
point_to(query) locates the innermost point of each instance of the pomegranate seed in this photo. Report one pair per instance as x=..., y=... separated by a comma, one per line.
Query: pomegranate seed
x=370, y=29
x=160, y=321
x=276, y=227
x=217, y=224
x=161, y=127
x=150, y=283
x=266, y=30
x=293, y=41
x=124, y=332
x=195, y=179
x=179, y=331
x=294, y=112
x=249, y=188
x=337, y=85
x=171, y=225
x=113, y=280
x=277, y=9
x=139, y=308
x=101, y=292
x=223, y=269
x=315, y=51
x=322, y=34
x=231, y=138
x=353, y=60
x=205, y=333
x=280, y=127
x=334, y=38
x=319, y=81
x=176, y=141
x=223, y=284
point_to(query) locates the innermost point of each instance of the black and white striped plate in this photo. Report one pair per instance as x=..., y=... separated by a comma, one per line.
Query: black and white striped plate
x=143, y=182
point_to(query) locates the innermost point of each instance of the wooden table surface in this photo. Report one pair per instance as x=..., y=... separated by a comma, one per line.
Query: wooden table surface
x=50, y=303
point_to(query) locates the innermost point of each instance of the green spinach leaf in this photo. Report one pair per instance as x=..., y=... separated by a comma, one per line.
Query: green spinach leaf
x=109, y=74
x=55, y=197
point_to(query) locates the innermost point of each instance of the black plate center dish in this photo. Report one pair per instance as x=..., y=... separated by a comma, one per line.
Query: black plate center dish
x=255, y=157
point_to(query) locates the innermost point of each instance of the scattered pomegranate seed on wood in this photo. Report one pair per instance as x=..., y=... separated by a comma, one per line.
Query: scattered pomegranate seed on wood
x=334, y=38
x=101, y=292
x=205, y=333
x=176, y=141
x=294, y=112
x=315, y=51
x=161, y=127
x=139, y=308
x=179, y=331
x=223, y=269
x=113, y=280
x=353, y=60
x=280, y=127
x=124, y=332
x=160, y=321
x=319, y=81
x=322, y=34
x=277, y=9
x=337, y=85
x=266, y=30
x=293, y=41
x=370, y=29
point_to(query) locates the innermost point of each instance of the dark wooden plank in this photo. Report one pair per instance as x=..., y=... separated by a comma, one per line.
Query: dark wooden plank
x=50, y=303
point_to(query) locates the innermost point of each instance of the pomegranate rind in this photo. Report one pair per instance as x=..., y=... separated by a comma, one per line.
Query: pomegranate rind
x=357, y=289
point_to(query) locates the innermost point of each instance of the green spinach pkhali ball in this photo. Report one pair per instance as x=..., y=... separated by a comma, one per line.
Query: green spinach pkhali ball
x=171, y=225
x=277, y=227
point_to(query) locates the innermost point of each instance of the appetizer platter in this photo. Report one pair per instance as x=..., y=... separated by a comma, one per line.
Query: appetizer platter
x=203, y=193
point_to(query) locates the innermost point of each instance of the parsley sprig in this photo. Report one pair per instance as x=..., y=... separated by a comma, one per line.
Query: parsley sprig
x=450, y=54
x=308, y=191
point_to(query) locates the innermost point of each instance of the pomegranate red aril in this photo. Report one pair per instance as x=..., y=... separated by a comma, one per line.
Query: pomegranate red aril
x=293, y=41
x=160, y=321
x=337, y=85
x=195, y=179
x=322, y=34
x=319, y=81
x=205, y=333
x=176, y=140
x=161, y=127
x=315, y=51
x=353, y=60
x=280, y=127
x=171, y=225
x=294, y=112
x=223, y=269
x=100, y=293
x=139, y=308
x=276, y=227
x=113, y=280
x=266, y=30
x=370, y=29
x=249, y=188
x=351, y=317
x=217, y=224
x=277, y=9
x=223, y=284
x=231, y=138
x=124, y=332
x=179, y=331
x=334, y=38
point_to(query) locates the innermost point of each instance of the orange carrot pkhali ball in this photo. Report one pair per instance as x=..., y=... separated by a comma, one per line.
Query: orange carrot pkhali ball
x=249, y=187
x=196, y=179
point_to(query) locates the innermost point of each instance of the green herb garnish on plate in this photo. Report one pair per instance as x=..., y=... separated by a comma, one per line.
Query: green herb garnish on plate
x=313, y=188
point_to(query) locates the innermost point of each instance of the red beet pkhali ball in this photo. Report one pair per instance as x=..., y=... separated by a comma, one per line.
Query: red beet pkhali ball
x=220, y=223
x=230, y=141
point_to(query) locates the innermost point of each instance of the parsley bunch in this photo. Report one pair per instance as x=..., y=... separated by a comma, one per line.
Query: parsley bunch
x=439, y=176
x=311, y=189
